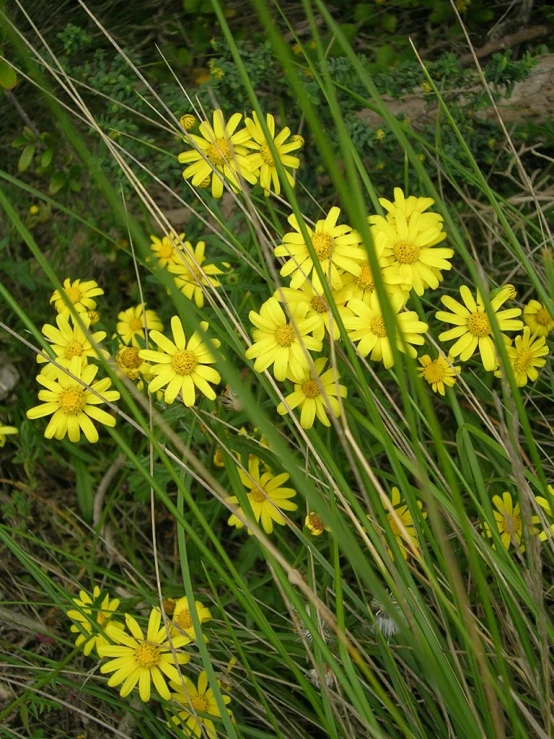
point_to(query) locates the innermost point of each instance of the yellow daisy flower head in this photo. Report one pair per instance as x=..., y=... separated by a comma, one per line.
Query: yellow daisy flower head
x=218, y=459
x=546, y=505
x=197, y=700
x=131, y=324
x=526, y=356
x=143, y=658
x=316, y=305
x=361, y=286
x=220, y=149
x=92, y=617
x=368, y=328
x=181, y=366
x=6, y=431
x=337, y=249
x=191, y=274
x=472, y=326
x=316, y=395
x=315, y=525
x=266, y=495
x=279, y=342
x=402, y=524
x=438, y=372
x=538, y=318
x=69, y=340
x=78, y=294
x=187, y=121
x=182, y=618
x=71, y=405
x=508, y=520
x=130, y=363
x=409, y=245
x=167, y=250
x=93, y=317
x=263, y=160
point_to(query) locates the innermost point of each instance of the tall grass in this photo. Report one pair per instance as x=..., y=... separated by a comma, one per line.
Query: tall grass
x=302, y=617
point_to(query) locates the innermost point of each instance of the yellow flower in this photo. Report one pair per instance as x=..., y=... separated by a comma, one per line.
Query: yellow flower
x=218, y=458
x=280, y=343
x=78, y=294
x=93, y=317
x=362, y=285
x=547, y=507
x=316, y=395
x=182, y=619
x=143, y=659
x=379, y=134
x=168, y=249
x=187, y=121
x=70, y=341
x=198, y=700
x=263, y=160
x=508, y=522
x=315, y=306
x=34, y=210
x=6, y=431
x=182, y=366
x=130, y=363
x=526, y=356
x=408, y=238
x=219, y=149
x=132, y=322
x=191, y=274
x=402, y=524
x=472, y=325
x=266, y=496
x=438, y=372
x=92, y=618
x=538, y=318
x=368, y=328
x=336, y=248
x=314, y=523
x=71, y=405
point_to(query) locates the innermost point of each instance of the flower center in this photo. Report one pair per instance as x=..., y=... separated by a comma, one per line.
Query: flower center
x=323, y=245
x=523, y=360
x=74, y=294
x=199, y=703
x=147, y=655
x=184, y=619
x=542, y=317
x=377, y=327
x=284, y=335
x=365, y=278
x=73, y=349
x=166, y=249
x=219, y=152
x=315, y=522
x=405, y=252
x=310, y=389
x=102, y=617
x=265, y=153
x=129, y=358
x=434, y=372
x=319, y=304
x=184, y=362
x=512, y=524
x=135, y=324
x=478, y=324
x=257, y=495
x=72, y=401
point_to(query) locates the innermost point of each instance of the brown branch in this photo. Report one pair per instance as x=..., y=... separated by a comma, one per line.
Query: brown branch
x=507, y=42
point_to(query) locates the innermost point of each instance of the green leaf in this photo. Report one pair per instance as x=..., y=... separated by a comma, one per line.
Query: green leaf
x=46, y=158
x=8, y=77
x=26, y=158
x=84, y=489
x=385, y=57
x=57, y=181
x=389, y=22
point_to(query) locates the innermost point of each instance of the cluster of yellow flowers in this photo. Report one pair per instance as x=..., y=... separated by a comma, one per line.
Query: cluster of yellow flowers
x=138, y=658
